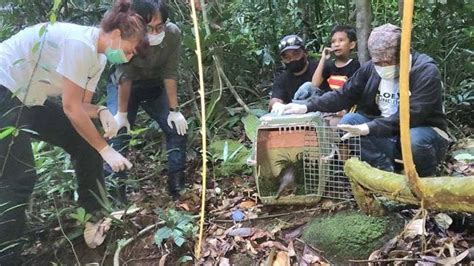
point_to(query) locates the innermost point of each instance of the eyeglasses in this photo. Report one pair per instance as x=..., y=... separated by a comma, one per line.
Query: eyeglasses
x=290, y=41
x=158, y=28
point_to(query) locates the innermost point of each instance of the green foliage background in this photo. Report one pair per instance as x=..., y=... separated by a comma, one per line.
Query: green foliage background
x=244, y=34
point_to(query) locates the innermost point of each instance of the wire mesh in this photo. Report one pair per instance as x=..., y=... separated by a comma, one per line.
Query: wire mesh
x=324, y=157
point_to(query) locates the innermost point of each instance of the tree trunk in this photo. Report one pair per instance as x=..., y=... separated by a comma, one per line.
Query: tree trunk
x=363, y=27
x=440, y=193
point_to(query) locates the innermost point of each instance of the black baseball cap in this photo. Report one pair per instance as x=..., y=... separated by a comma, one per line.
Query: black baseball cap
x=290, y=42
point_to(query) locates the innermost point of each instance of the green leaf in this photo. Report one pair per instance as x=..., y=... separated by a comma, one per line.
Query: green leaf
x=56, y=4
x=52, y=17
x=162, y=234
x=251, y=122
x=179, y=240
x=184, y=259
x=36, y=47
x=5, y=132
x=29, y=131
x=225, y=151
x=19, y=61
x=42, y=30
x=9, y=247
x=79, y=215
x=464, y=157
x=45, y=67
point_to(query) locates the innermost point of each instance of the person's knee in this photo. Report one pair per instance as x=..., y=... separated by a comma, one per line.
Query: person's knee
x=353, y=119
x=421, y=142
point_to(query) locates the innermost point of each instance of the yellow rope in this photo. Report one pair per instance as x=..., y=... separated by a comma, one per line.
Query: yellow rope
x=410, y=170
x=203, y=130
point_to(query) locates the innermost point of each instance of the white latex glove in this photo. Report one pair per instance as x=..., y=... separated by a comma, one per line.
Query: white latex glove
x=278, y=108
x=354, y=130
x=108, y=122
x=295, y=108
x=116, y=161
x=179, y=121
x=122, y=120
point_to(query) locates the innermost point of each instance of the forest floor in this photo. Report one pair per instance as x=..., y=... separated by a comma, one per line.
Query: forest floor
x=240, y=230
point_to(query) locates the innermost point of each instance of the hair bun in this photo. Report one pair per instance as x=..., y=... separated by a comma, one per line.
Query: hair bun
x=123, y=5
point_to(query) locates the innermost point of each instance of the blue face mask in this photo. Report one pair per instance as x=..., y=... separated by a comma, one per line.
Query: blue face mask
x=115, y=56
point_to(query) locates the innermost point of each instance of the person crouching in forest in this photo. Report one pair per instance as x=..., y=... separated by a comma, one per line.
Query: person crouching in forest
x=299, y=69
x=68, y=62
x=151, y=82
x=375, y=91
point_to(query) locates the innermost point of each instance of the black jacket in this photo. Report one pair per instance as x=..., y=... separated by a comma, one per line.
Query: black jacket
x=426, y=98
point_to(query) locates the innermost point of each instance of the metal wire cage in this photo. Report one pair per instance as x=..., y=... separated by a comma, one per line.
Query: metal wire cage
x=316, y=151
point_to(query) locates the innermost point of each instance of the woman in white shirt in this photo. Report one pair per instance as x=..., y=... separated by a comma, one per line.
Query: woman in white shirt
x=59, y=59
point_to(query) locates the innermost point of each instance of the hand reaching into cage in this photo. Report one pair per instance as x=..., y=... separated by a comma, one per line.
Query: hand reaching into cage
x=354, y=130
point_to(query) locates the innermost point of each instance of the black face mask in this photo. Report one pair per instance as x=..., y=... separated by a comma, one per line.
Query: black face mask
x=297, y=65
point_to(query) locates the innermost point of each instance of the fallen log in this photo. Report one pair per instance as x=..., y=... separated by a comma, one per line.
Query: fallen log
x=440, y=193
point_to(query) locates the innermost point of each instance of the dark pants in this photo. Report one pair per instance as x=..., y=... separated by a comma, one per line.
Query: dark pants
x=154, y=101
x=17, y=167
x=428, y=147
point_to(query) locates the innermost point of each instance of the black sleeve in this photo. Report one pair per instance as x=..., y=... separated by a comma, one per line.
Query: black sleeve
x=341, y=99
x=278, y=89
x=355, y=65
x=326, y=69
x=426, y=93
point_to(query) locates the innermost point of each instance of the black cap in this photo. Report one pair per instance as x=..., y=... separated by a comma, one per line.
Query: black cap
x=290, y=42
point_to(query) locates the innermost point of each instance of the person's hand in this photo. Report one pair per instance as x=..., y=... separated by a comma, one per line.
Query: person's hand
x=326, y=54
x=116, y=161
x=179, y=122
x=341, y=113
x=277, y=108
x=305, y=91
x=108, y=122
x=295, y=108
x=122, y=120
x=354, y=130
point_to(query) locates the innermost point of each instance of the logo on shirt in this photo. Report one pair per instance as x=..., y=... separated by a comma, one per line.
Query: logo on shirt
x=336, y=81
x=388, y=98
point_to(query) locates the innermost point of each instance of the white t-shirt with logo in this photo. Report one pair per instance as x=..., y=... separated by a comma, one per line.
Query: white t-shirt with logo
x=388, y=98
x=33, y=64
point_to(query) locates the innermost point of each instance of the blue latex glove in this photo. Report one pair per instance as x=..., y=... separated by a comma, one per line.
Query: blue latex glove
x=306, y=91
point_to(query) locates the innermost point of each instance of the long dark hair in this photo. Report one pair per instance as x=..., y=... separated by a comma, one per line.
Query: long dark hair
x=148, y=9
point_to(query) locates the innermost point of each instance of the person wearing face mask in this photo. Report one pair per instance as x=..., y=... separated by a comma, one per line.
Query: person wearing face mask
x=151, y=82
x=374, y=88
x=299, y=69
x=67, y=60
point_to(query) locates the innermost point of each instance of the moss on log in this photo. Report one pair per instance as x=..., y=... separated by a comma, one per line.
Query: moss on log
x=440, y=193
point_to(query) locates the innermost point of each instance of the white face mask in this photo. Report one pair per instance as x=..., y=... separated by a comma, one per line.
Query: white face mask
x=156, y=39
x=388, y=72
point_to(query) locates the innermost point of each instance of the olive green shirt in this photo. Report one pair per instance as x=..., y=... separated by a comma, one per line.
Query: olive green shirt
x=160, y=62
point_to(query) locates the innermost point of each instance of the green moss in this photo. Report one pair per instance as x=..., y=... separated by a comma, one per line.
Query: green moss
x=349, y=235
